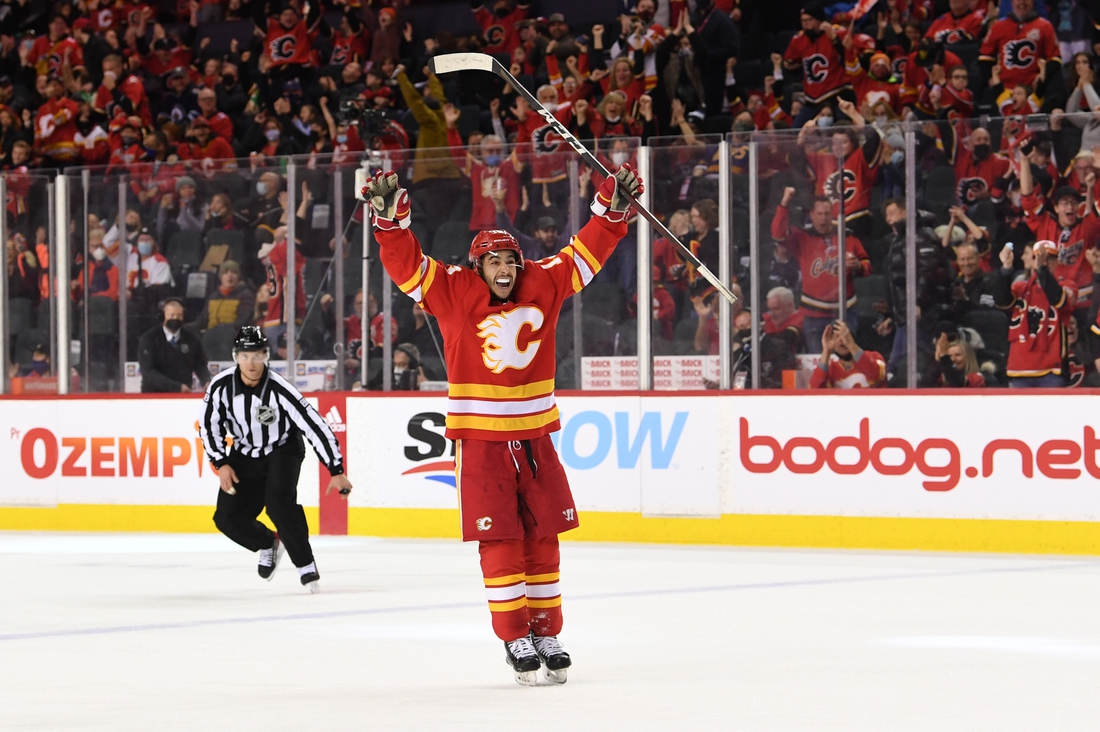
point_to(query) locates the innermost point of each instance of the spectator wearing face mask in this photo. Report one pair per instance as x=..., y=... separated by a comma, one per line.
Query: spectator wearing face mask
x=181, y=212
x=491, y=174
x=169, y=355
x=844, y=365
x=129, y=153
x=875, y=83
x=220, y=123
x=102, y=272
x=121, y=90
x=499, y=27
x=146, y=266
x=926, y=63
x=980, y=173
x=39, y=367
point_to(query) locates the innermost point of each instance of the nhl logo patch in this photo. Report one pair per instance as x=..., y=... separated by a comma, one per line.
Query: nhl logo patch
x=266, y=415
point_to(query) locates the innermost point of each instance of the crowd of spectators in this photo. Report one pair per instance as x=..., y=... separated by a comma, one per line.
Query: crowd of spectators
x=197, y=125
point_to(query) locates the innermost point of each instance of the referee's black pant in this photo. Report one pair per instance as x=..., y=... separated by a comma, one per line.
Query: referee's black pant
x=269, y=482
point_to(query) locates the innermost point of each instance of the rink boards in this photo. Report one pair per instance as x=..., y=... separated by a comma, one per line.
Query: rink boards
x=900, y=470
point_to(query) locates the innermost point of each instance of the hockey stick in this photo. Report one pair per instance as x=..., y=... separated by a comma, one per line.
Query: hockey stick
x=452, y=62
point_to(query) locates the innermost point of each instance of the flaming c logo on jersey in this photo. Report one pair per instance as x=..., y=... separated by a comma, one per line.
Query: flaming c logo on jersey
x=1020, y=53
x=500, y=332
x=815, y=68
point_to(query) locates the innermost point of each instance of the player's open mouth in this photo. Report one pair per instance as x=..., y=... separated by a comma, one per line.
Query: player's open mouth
x=503, y=282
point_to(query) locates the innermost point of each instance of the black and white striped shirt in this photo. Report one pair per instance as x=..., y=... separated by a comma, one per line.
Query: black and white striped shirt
x=261, y=418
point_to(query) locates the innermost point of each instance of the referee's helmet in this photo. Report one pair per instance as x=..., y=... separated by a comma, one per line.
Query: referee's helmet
x=250, y=338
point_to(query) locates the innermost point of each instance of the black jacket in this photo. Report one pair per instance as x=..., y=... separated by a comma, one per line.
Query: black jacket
x=165, y=367
x=934, y=276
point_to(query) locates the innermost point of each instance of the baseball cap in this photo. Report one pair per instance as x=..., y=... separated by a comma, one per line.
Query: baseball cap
x=1046, y=244
x=178, y=71
x=82, y=24
x=556, y=18
x=1067, y=192
x=41, y=348
x=162, y=44
x=546, y=222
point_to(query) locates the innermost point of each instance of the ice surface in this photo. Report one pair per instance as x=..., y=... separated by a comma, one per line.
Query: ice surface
x=175, y=632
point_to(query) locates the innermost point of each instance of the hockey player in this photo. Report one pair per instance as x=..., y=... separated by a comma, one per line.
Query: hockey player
x=498, y=322
x=266, y=417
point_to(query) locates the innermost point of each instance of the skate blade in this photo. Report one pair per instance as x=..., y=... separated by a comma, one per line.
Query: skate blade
x=314, y=587
x=559, y=676
x=527, y=678
x=275, y=564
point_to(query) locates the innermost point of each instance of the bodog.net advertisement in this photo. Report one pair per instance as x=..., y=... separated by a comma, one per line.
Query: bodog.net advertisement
x=943, y=456
x=111, y=451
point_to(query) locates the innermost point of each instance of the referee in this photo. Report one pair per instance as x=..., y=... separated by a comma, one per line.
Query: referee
x=266, y=417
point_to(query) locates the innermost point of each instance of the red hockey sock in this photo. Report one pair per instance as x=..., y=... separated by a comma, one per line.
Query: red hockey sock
x=543, y=592
x=502, y=565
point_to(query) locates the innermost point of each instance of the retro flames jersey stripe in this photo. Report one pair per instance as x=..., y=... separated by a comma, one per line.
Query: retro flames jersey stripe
x=505, y=594
x=429, y=276
x=501, y=424
x=822, y=305
x=540, y=604
x=507, y=607
x=480, y=406
x=413, y=281
x=490, y=391
x=509, y=579
x=589, y=259
x=543, y=592
x=551, y=577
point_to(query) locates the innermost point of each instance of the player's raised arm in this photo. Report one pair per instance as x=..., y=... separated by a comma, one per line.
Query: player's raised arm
x=405, y=262
x=595, y=242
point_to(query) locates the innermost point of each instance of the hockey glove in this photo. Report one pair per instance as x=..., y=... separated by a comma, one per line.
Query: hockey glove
x=389, y=202
x=610, y=202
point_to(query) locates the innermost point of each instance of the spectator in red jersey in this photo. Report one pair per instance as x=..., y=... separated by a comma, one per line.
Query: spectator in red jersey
x=219, y=122
x=207, y=151
x=844, y=365
x=55, y=127
x=57, y=47
x=958, y=364
x=1017, y=44
x=961, y=24
x=816, y=51
x=980, y=173
x=499, y=28
x=948, y=96
x=121, y=90
x=489, y=171
x=1072, y=234
x=350, y=39
x=818, y=254
x=612, y=118
x=928, y=62
x=860, y=153
x=784, y=319
x=1039, y=305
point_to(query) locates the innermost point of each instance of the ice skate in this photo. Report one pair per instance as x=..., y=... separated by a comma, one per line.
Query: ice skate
x=553, y=656
x=524, y=660
x=269, y=559
x=310, y=576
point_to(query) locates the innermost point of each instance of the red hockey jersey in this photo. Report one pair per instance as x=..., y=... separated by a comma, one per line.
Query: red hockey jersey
x=1037, y=327
x=949, y=29
x=859, y=177
x=55, y=129
x=346, y=49
x=287, y=47
x=47, y=56
x=868, y=372
x=818, y=256
x=483, y=179
x=916, y=76
x=822, y=67
x=548, y=154
x=132, y=88
x=500, y=34
x=500, y=357
x=1072, y=243
x=1017, y=47
x=973, y=177
x=275, y=263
